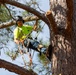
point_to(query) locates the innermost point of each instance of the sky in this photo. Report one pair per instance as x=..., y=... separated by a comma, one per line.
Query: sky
x=44, y=5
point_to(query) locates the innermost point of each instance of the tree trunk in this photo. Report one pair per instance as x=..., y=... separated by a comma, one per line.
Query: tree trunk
x=64, y=41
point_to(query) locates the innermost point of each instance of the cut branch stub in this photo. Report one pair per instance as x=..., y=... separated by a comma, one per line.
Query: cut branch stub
x=52, y=22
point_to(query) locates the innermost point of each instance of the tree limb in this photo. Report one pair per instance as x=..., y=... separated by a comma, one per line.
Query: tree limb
x=14, y=68
x=28, y=8
x=7, y=24
x=12, y=22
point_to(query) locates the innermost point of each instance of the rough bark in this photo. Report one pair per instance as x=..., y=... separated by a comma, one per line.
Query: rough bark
x=74, y=38
x=14, y=68
x=64, y=54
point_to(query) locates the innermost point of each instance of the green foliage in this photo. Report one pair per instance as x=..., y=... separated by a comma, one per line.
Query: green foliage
x=4, y=14
x=43, y=59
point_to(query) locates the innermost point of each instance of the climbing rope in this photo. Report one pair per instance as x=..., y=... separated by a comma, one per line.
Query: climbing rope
x=39, y=32
x=21, y=54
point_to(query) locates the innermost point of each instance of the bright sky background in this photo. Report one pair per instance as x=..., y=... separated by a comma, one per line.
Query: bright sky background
x=44, y=5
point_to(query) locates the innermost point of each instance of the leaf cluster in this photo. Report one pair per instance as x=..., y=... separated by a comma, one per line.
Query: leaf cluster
x=4, y=14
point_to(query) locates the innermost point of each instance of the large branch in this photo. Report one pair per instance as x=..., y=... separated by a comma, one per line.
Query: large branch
x=14, y=68
x=12, y=22
x=29, y=9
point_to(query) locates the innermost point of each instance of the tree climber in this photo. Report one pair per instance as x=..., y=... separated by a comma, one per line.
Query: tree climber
x=22, y=31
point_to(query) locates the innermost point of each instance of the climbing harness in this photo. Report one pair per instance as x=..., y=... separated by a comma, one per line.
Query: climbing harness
x=29, y=50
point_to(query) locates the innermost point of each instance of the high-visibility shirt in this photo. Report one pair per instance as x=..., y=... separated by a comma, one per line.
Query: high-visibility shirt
x=20, y=33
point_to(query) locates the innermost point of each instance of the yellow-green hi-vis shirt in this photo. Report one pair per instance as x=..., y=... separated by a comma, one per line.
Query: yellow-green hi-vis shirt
x=20, y=33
